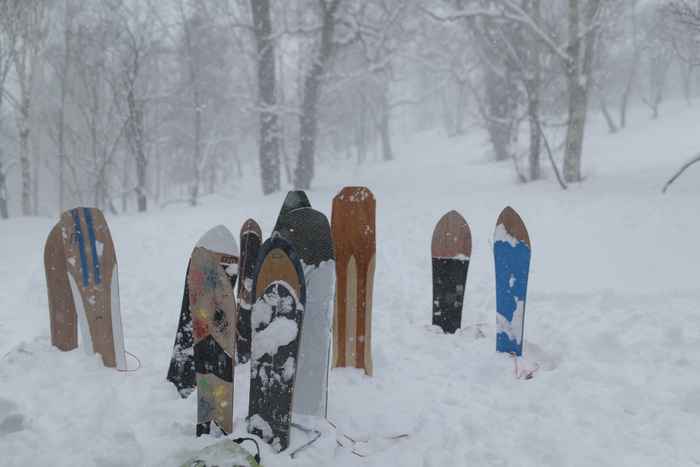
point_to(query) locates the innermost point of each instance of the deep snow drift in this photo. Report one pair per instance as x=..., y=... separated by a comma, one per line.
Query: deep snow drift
x=612, y=323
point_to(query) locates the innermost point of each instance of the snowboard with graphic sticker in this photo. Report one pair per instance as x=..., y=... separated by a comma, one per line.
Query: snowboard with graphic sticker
x=220, y=243
x=91, y=266
x=213, y=312
x=354, y=239
x=63, y=317
x=511, y=252
x=451, y=248
x=295, y=199
x=251, y=240
x=279, y=296
x=309, y=232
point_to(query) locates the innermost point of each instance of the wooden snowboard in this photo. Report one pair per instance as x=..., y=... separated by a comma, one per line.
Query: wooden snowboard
x=213, y=310
x=63, y=317
x=354, y=237
x=91, y=264
x=251, y=240
x=511, y=252
x=309, y=232
x=221, y=244
x=279, y=294
x=295, y=199
x=451, y=248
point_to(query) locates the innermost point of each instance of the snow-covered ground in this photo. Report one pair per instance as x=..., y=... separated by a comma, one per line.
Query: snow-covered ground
x=612, y=320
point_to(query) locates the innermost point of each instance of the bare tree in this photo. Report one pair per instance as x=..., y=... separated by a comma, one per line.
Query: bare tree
x=25, y=24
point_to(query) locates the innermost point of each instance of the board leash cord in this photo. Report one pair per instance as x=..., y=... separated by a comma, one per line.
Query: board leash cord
x=479, y=332
x=137, y=359
x=527, y=374
x=354, y=442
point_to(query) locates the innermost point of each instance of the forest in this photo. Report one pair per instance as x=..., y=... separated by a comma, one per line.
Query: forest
x=131, y=105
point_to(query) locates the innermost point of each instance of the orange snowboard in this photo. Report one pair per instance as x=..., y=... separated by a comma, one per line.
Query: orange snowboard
x=63, y=317
x=354, y=239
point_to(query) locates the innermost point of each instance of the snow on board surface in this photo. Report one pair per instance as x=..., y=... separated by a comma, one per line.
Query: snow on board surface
x=613, y=320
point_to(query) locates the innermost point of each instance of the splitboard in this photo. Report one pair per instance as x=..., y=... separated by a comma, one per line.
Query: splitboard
x=354, y=238
x=511, y=252
x=279, y=294
x=309, y=232
x=213, y=310
x=451, y=248
x=222, y=245
x=91, y=264
x=251, y=240
x=62, y=314
x=295, y=199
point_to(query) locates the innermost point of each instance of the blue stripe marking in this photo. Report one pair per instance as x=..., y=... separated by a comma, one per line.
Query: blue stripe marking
x=81, y=246
x=93, y=245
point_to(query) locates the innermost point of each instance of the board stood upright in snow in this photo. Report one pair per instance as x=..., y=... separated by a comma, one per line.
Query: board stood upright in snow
x=309, y=232
x=91, y=275
x=221, y=244
x=62, y=313
x=279, y=294
x=354, y=238
x=451, y=249
x=251, y=240
x=295, y=199
x=511, y=252
x=213, y=310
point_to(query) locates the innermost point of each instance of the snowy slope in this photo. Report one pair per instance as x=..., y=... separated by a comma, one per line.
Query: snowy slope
x=612, y=320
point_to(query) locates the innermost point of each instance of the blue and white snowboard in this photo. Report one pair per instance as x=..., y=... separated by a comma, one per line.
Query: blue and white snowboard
x=511, y=252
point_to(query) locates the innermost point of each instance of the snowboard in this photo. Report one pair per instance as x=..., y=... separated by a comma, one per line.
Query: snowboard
x=181, y=372
x=251, y=238
x=213, y=311
x=309, y=232
x=354, y=237
x=91, y=264
x=295, y=199
x=451, y=249
x=279, y=294
x=511, y=252
x=63, y=317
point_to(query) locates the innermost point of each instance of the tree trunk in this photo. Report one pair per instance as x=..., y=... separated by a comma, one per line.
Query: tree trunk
x=304, y=172
x=578, y=82
x=3, y=191
x=269, y=146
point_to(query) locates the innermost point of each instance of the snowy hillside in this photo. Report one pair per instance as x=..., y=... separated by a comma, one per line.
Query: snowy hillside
x=612, y=325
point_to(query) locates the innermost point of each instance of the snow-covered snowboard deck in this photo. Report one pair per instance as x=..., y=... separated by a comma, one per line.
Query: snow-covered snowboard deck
x=451, y=249
x=511, y=252
x=62, y=315
x=225, y=453
x=295, y=199
x=91, y=264
x=251, y=240
x=221, y=244
x=354, y=238
x=279, y=294
x=213, y=310
x=309, y=232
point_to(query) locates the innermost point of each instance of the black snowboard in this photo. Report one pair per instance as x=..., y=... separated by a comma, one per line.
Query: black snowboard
x=451, y=249
x=250, y=248
x=279, y=296
x=295, y=199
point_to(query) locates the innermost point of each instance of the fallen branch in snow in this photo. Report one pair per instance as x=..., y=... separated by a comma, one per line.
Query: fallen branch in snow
x=696, y=159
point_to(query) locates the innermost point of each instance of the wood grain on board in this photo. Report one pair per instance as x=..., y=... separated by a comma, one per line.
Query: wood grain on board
x=91, y=263
x=451, y=237
x=514, y=225
x=63, y=317
x=354, y=238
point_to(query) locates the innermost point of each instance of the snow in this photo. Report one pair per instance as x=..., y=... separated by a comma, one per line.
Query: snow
x=613, y=319
x=502, y=235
